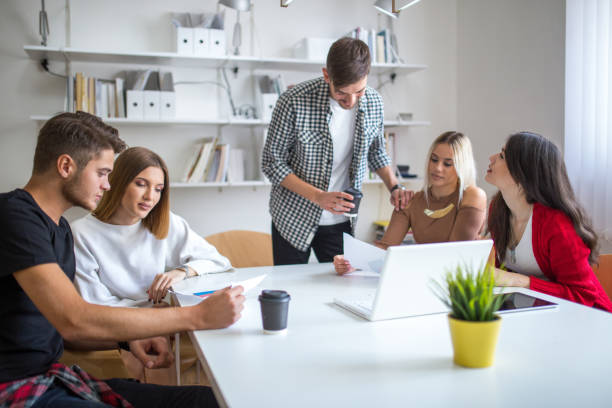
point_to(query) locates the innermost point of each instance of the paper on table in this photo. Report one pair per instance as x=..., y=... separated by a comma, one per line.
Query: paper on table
x=366, y=258
x=190, y=299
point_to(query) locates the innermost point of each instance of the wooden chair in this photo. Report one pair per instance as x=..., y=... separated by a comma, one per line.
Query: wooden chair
x=244, y=248
x=603, y=271
x=100, y=364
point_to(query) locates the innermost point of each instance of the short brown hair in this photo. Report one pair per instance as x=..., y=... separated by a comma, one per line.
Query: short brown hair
x=80, y=135
x=127, y=166
x=348, y=61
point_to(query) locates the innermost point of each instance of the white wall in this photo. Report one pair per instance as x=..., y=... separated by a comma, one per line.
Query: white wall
x=426, y=36
x=494, y=67
x=511, y=58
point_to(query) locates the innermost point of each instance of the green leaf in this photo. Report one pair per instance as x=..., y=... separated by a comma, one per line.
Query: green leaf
x=468, y=292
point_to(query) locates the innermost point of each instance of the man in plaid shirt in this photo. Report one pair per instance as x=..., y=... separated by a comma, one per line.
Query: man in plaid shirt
x=40, y=309
x=323, y=135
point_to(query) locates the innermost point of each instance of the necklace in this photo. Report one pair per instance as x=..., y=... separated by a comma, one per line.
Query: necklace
x=439, y=213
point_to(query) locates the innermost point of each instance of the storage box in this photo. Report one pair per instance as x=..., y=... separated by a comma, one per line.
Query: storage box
x=312, y=48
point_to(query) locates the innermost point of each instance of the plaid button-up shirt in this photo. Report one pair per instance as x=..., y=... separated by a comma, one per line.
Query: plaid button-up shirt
x=299, y=142
x=24, y=393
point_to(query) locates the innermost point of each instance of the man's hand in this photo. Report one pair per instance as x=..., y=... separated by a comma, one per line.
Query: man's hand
x=222, y=308
x=162, y=282
x=400, y=197
x=153, y=352
x=333, y=202
x=342, y=266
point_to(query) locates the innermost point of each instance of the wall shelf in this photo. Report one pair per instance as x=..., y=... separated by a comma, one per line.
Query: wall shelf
x=249, y=183
x=213, y=122
x=38, y=53
x=259, y=183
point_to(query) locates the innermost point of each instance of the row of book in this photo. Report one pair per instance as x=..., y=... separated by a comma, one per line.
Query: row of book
x=382, y=44
x=101, y=97
x=143, y=94
x=214, y=162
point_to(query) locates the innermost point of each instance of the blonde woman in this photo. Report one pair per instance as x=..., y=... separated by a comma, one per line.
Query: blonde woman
x=132, y=248
x=449, y=208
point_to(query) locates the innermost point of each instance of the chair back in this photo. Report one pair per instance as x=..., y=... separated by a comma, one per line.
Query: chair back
x=603, y=271
x=244, y=248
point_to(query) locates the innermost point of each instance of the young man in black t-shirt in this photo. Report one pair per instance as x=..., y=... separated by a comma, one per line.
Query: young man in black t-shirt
x=41, y=311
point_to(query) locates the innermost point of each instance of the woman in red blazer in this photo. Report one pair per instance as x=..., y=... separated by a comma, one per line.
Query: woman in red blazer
x=540, y=231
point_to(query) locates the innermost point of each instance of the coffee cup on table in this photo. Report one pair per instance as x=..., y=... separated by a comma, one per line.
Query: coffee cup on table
x=274, y=310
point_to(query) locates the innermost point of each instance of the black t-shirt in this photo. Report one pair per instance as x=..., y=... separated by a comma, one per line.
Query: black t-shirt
x=29, y=344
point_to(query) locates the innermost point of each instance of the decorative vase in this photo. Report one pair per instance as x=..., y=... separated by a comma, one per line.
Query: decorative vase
x=474, y=342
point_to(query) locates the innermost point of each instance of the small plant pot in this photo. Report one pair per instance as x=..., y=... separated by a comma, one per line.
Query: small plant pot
x=474, y=342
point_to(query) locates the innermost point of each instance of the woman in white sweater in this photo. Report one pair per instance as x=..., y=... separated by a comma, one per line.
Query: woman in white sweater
x=132, y=248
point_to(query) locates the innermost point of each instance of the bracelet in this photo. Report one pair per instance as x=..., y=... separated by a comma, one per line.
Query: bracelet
x=184, y=269
x=395, y=187
x=123, y=345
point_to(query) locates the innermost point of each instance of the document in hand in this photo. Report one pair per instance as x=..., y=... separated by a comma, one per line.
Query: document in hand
x=362, y=256
x=193, y=298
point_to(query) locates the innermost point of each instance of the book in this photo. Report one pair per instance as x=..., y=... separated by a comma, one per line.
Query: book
x=380, y=48
x=192, y=162
x=211, y=173
x=111, y=100
x=199, y=172
x=224, y=150
x=119, y=98
x=104, y=100
x=78, y=91
x=69, y=94
x=235, y=169
x=98, y=98
x=91, y=93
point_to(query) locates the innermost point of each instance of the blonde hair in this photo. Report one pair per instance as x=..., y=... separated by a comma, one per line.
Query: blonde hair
x=127, y=166
x=463, y=160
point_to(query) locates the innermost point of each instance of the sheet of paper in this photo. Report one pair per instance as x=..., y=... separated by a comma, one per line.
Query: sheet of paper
x=193, y=298
x=366, y=258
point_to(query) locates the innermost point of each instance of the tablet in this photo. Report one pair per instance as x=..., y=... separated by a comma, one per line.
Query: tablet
x=517, y=302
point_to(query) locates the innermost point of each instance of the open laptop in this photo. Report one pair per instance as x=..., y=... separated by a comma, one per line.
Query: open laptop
x=404, y=287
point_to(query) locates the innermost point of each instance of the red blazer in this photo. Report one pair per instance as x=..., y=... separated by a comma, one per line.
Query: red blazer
x=564, y=260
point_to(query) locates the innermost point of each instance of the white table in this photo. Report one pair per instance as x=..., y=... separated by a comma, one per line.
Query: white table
x=332, y=358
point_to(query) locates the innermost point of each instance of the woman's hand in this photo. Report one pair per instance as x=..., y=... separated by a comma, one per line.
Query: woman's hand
x=342, y=266
x=163, y=282
x=505, y=278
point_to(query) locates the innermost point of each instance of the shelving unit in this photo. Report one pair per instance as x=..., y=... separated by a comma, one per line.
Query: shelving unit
x=68, y=55
x=38, y=53
x=260, y=183
x=215, y=122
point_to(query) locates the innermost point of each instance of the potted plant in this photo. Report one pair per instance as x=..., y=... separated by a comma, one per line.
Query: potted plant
x=474, y=326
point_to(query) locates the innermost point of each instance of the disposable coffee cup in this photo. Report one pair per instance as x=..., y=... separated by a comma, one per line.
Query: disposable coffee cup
x=274, y=310
x=356, y=200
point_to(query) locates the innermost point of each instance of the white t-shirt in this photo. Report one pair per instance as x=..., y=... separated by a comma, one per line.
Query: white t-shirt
x=342, y=130
x=523, y=259
x=116, y=264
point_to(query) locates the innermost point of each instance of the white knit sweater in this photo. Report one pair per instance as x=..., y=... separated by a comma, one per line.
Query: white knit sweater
x=116, y=264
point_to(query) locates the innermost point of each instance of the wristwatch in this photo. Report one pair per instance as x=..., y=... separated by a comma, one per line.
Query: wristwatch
x=395, y=187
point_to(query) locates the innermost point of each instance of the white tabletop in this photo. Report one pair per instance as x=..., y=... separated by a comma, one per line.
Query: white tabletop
x=330, y=357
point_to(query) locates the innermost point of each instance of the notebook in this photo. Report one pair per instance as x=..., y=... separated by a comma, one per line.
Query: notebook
x=404, y=287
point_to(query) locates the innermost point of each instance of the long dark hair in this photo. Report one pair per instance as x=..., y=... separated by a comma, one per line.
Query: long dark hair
x=535, y=163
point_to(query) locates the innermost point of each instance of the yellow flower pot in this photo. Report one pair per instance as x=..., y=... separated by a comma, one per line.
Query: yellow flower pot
x=474, y=342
